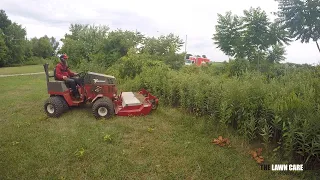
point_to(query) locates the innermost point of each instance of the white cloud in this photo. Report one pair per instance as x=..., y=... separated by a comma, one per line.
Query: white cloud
x=196, y=19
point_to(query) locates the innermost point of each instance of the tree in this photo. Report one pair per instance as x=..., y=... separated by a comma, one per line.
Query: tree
x=174, y=60
x=14, y=47
x=276, y=54
x=250, y=36
x=16, y=42
x=165, y=48
x=4, y=21
x=255, y=33
x=3, y=50
x=163, y=45
x=278, y=34
x=301, y=18
x=28, y=50
x=229, y=36
x=42, y=47
x=119, y=42
x=95, y=43
x=84, y=42
x=55, y=44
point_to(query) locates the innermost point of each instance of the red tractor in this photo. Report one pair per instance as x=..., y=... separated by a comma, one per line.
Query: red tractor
x=100, y=90
x=199, y=61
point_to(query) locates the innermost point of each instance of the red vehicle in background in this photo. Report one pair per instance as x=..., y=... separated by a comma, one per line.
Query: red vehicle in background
x=197, y=60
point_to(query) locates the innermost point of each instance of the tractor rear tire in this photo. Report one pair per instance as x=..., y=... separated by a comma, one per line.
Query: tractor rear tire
x=64, y=103
x=103, y=108
x=53, y=107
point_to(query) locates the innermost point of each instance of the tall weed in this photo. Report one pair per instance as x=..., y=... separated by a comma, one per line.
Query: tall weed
x=280, y=110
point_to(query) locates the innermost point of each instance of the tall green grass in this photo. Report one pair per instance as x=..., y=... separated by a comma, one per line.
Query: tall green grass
x=282, y=112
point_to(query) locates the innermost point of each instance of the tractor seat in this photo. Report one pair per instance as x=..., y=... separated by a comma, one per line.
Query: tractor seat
x=56, y=85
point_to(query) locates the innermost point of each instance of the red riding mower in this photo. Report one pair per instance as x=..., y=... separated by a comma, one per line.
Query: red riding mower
x=100, y=90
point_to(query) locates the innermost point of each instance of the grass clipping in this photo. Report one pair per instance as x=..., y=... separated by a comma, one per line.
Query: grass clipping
x=256, y=155
x=221, y=141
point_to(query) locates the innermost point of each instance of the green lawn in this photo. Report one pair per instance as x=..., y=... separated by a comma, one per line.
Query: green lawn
x=168, y=144
x=22, y=69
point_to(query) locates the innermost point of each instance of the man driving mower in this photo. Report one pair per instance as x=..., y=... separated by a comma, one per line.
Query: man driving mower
x=63, y=73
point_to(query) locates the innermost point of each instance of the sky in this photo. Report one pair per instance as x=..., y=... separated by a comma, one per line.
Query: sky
x=191, y=20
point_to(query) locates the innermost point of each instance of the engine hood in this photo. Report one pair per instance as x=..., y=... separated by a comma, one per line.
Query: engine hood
x=99, y=79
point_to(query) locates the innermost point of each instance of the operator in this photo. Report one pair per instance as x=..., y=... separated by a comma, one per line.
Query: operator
x=63, y=73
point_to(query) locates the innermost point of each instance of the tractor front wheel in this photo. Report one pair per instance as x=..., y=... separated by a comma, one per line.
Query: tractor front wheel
x=103, y=108
x=53, y=107
x=154, y=106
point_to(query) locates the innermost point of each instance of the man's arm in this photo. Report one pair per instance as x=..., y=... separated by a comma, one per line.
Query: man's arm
x=71, y=73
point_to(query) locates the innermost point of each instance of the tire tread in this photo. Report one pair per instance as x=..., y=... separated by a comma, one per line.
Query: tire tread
x=57, y=104
x=104, y=101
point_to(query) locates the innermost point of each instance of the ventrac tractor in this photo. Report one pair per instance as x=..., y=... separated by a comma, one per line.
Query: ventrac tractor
x=100, y=91
x=197, y=60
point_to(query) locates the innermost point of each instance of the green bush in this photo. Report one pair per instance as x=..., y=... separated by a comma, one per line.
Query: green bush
x=85, y=66
x=34, y=60
x=282, y=110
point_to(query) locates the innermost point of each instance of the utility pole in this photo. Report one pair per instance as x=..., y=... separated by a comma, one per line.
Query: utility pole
x=185, y=48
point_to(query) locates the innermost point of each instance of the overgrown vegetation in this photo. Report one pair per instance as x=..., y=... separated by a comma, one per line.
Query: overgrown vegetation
x=275, y=104
x=168, y=144
x=265, y=101
x=280, y=112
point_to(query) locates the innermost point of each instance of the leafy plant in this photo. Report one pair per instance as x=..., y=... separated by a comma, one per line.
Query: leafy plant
x=79, y=153
x=150, y=129
x=107, y=138
x=301, y=18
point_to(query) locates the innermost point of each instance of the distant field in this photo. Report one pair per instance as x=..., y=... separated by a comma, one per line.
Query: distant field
x=217, y=63
x=22, y=69
x=168, y=144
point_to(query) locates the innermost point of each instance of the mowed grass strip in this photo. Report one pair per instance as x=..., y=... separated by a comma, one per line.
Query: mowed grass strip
x=21, y=70
x=167, y=144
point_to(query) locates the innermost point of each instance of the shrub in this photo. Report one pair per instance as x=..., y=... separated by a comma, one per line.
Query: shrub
x=34, y=60
x=282, y=110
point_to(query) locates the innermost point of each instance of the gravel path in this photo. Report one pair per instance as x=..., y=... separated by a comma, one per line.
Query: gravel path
x=26, y=74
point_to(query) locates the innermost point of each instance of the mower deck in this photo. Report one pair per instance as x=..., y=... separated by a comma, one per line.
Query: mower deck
x=133, y=104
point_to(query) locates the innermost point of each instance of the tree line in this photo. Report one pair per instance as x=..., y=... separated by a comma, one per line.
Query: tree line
x=16, y=49
x=251, y=39
x=99, y=45
x=254, y=39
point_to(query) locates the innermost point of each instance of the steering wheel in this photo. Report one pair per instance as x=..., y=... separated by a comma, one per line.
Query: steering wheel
x=81, y=76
